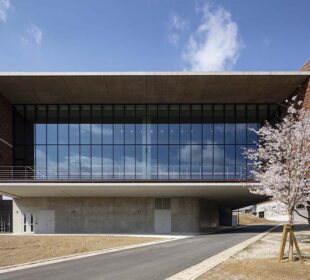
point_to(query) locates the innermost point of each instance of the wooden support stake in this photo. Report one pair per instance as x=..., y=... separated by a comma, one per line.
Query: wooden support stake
x=283, y=243
x=296, y=246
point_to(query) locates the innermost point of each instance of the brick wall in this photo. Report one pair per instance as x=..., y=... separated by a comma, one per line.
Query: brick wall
x=6, y=124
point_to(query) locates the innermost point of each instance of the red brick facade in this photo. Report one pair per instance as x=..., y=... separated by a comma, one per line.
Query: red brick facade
x=6, y=124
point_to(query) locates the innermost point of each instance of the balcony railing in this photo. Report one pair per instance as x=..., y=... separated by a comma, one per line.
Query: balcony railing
x=171, y=173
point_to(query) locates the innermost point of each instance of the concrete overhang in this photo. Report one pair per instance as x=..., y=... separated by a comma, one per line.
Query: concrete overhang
x=233, y=195
x=149, y=87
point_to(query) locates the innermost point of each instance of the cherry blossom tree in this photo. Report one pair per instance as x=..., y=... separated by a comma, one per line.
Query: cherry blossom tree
x=282, y=160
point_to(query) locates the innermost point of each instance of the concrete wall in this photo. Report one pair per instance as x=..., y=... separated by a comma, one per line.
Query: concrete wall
x=6, y=123
x=225, y=216
x=117, y=215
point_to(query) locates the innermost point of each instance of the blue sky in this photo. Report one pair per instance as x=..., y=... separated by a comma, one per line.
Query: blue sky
x=153, y=35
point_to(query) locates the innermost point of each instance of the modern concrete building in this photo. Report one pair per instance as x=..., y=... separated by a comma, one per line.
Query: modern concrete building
x=133, y=152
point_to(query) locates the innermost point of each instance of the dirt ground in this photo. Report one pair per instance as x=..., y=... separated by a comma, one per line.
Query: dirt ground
x=23, y=249
x=250, y=219
x=259, y=261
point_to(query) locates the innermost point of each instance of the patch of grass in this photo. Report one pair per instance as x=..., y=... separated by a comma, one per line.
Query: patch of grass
x=22, y=249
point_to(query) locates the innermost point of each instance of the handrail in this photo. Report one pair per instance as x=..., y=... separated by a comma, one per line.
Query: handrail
x=32, y=173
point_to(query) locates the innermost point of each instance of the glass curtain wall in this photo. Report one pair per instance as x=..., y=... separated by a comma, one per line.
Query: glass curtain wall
x=117, y=142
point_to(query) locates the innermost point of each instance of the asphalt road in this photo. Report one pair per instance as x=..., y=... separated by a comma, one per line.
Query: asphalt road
x=146, y=263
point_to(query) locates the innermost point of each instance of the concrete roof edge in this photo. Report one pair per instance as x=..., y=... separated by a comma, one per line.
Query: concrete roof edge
x=177, y=73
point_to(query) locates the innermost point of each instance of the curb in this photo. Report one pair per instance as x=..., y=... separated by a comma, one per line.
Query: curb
x=195, y=271
x=38, y=263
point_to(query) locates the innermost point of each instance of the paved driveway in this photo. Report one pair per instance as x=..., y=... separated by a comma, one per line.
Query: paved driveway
x=146, y=263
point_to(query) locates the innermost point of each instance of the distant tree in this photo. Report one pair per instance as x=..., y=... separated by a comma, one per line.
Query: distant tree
x=282, y=161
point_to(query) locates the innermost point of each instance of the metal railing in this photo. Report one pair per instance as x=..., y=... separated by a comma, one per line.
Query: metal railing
x=215, y=173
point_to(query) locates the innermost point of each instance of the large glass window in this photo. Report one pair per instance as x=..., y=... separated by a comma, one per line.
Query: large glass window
x=166, y=141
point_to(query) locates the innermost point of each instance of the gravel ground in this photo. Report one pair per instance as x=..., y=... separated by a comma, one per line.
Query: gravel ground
x=259, y=261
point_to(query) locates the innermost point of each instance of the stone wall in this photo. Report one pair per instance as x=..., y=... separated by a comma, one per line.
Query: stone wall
x=5, y=132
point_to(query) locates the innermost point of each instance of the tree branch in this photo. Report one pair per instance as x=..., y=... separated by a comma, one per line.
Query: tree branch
x=305, y=217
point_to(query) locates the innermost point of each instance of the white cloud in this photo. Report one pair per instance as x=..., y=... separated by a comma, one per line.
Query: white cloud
x=4, y=7
x=215, y=45
x=33, y=35
x=176, y=25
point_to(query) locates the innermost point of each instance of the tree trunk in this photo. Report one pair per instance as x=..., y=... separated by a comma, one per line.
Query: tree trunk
x=291, y=244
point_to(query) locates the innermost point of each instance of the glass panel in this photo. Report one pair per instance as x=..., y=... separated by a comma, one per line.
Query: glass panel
x=63, y=114
x=85, y=162
x=240, y=113
x=152, y=162
x=85, y=133
x=152, y=124
x=218, y=112
x=63, y=161
x=63, y=133
x=163, y=162
x=208, y=161
x=174, y=162
x=119, y=135
x=74, y=113
x=96, y=162
x=74, y=133
x=218, y=161
x=251, y=113
x=74, y=162
x=96, y=133
x=140, y=124
x=196, y=129
x=208, y=133
x=196, y=162
x=140, y=161
x=240, y=162
x=85, y=114
x=130, y=161
x=174, y=127
x=119, y=158
x=51, y=161
x=130, y=124
x=252, y=137
x=29, y=121
x=185, y=127
x=185, y=161
x=52, y=134
x=40, y=134
x=230, y=133
x=230, y=161
x=107, y=133
x=163, y=121
x=40, y=161
x=107, y=162
x=52, y=114
x=218, y=133
x=130, y=132
x=241, y=133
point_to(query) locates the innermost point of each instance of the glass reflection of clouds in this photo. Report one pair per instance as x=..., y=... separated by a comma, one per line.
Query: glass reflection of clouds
x=137, y=141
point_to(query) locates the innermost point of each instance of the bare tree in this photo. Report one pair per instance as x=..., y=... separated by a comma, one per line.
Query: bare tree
x=282, y=161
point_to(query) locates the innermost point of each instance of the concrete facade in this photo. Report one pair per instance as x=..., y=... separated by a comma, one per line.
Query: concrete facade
x=116, y=215
x=130, y=207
